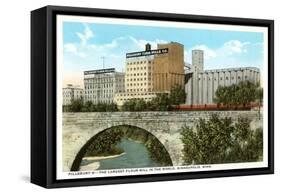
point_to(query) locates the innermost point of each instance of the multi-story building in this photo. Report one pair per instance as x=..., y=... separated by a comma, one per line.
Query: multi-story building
x=152, y=71
x=168, y=69
x=201, y=85
x=70, y=93
x=101, y=85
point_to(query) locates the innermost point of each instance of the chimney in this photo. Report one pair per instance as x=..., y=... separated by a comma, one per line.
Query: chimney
x=147, y=47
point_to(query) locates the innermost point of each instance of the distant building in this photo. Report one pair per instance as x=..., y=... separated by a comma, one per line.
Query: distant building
x=71, y=93
x=201, y=84
x=150, y=72
x=101, y=85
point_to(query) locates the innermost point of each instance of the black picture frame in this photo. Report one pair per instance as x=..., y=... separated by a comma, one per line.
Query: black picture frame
x=43, y=95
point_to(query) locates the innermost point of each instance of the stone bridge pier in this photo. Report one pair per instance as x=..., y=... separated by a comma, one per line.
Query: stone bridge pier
x=79, y=128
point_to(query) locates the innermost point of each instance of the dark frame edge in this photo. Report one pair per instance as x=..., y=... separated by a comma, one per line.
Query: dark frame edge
x=271, y=96
x=38, y=97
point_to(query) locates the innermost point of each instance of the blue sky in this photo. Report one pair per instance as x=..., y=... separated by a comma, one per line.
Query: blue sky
x=86, y=43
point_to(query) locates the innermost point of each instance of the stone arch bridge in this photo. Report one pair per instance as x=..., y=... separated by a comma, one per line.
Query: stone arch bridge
x=79, y=128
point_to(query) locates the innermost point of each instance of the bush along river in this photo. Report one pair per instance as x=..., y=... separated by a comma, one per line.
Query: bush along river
x=124, y=147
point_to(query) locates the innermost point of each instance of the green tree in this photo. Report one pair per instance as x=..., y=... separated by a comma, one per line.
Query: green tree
x=206, y=144
x=112, y=107
x=260, y=99
x=161, y=102
x=134, y=105
x=100, y=107
x=88, y=107
x=246, y=92
x=76, y=105
x=177, y=95
x=157, y=152
x=140, y=105
x=129, y=105
x=220, y=140
x=221, y=95
x=106, y=145
x=242, y=93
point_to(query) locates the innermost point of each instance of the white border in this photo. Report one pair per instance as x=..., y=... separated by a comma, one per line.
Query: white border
x=141, y=171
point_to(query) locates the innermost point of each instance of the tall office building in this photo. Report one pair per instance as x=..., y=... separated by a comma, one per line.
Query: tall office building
x=150, y=72
x=101, y=85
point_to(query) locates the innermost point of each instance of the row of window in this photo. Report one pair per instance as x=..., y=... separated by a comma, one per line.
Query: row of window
x=138, y=68
x=139, y=79
x=134, y=94
x=99, y=100
x=137, y=74
x=95, y=97
x=121, y=99
x=226, y=78
x=139, y=90
x=98, y=86
x=100, y=91
x=102, y=80
x=138, y=84
x=72, y=96
x=139, y=62
x=231, y=71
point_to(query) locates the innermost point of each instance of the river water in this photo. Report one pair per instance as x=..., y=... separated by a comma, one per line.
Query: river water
x=136, y=156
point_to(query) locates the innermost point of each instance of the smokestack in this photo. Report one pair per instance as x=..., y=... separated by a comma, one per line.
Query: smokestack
x=147, y=47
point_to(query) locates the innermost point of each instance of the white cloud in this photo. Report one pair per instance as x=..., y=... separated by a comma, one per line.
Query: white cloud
x=234, y=46
x=113, y=44
x=86, y=35
x=232, y=53
x=70, y=48
x=208, y=52
x=141, y=42
x=73, y=49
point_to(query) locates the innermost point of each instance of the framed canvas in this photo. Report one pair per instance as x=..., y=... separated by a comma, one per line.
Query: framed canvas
x=126, y=96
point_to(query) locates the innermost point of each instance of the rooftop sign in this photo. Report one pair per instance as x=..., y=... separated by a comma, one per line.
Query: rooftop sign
x=147, y=53
x=100, y=71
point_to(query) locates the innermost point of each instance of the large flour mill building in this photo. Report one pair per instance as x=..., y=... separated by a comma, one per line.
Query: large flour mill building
x=101, y=85
x=201, y=84
x=150, y=72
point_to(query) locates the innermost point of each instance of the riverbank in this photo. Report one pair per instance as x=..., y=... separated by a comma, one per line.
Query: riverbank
x=95, y=158
x=89, y=167
x=94, y=165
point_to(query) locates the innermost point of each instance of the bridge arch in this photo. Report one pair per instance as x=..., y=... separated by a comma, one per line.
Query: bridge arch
x=128, y=132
